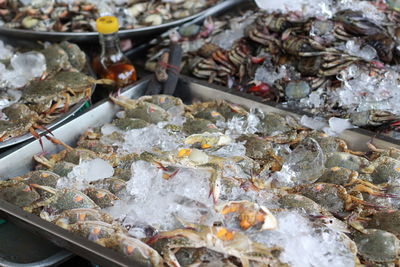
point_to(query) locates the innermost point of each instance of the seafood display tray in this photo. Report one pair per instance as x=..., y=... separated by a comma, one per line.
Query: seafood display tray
x=92, y=36
x=19, y=161
x=26, y=249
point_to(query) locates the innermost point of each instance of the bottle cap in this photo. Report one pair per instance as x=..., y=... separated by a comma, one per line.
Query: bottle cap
x=107, y=24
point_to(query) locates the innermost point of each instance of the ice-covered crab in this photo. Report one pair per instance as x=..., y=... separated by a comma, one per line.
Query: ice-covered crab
x=218, y=239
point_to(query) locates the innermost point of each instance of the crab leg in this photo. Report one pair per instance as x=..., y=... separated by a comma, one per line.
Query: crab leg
x=37, y=136
x=3, y=137
x=215, y=185
x=42, y=160
x=40, y=127
x=58, y=142
x=67, y=102
x=53, y=107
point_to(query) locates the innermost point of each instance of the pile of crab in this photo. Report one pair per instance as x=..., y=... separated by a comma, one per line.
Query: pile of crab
x=344, y=66
x=80, y=16
x=44, y=99
x=170, y=184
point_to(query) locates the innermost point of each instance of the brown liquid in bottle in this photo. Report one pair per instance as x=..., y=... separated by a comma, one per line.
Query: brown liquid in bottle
x=123, y=73
x=111, y=63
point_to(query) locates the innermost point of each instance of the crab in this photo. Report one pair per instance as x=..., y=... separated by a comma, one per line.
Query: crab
x=21, y=120
x=56, y=59
x=332, y=197
x=102, y=197
x=199, y=126
x=18, y=193
x=138, y=251
x=112, y=184
x=330, y=144
x=218, y=239
x=350, y=180
x=314, y=210
x=60, y=91
x=40, y=177
x=164, y=101
x=76, y=57
x=226, y=109
x=63, y=199
x=250, y=214
x=383, y=169
x=126, y=124
x=208, y=140
x=392, y=152
x=100, y=232
x=377, y=246
x=372, y=117
x=274, y=124
x=261, y=150
x=68, y=217
x=346, y=160
x=143, y=110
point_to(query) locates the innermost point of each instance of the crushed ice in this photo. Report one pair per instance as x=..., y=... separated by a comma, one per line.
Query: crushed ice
x=304, y=244
x=157, y=202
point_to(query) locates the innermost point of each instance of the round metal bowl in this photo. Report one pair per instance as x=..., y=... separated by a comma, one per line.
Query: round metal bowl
x=92, y=36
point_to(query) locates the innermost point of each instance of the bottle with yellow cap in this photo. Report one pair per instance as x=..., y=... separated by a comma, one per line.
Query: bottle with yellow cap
x=112, y=63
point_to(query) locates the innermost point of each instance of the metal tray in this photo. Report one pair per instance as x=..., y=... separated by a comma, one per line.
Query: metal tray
x=62, y=118
x=92, y=36
x=26, y=249
x=188, y=90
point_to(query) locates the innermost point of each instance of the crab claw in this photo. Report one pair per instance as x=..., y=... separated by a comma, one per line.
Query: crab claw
x=215, y=188
x=257, y=60
x=259, y=88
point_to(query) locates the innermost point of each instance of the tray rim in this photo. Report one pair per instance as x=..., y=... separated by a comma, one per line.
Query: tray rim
x=91, y=36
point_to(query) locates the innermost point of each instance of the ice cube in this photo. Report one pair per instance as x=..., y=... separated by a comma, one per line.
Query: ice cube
x=30, y=64
x=231, y=150
x=108, y=129
x=296, y=169
x=6, y=51
x=266, y=73
x=14, y=79
x=155, y=137
x=367, y=52
x=337, y=126
x=316, y=123
x=92, y=170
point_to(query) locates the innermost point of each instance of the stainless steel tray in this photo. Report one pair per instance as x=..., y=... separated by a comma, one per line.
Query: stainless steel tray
x=26, y=249
x=63, y=117
x=92, y=36
x=188, y=89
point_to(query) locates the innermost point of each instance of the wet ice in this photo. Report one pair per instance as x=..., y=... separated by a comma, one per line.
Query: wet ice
x=156, y=201
x=155, y=137
x=337, y=126
x=86, y=172
x=296, y=169
x=304, y=244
